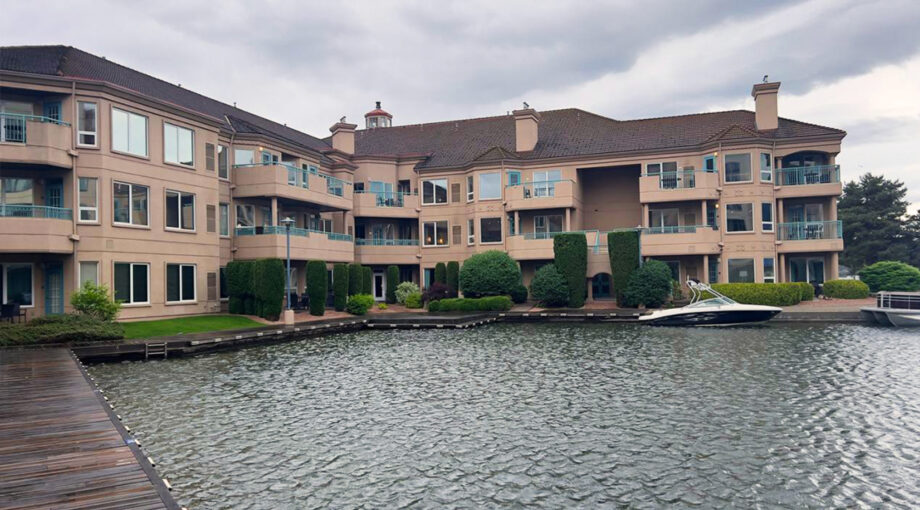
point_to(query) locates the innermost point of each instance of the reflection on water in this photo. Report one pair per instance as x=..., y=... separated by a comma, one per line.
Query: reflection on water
x=541, y=415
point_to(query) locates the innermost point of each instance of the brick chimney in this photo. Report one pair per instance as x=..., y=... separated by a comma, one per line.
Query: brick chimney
x=343, y=136
x=765, y=111
x=526, y=128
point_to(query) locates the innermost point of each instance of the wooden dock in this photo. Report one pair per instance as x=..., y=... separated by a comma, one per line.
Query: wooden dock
x=60, y=444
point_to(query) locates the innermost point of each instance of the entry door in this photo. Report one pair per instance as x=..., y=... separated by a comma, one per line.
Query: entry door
x=816, y=271
x=54, y=289
x=380, y=287
x=54, y=192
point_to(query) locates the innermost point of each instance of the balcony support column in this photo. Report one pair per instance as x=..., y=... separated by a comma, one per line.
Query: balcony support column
x=779, y=210
x=645, y=215
x=568, y=219
x=703, y=216
x=517, y=222
x=274, y=220
x=781, y=273
x=705, y=266
x=834, y=266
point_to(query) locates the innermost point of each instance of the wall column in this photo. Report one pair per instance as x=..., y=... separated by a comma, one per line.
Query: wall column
x=705, y=271
x=517, y=222
x=703, y=217
x=645, y=215
x=834, y=269
x=590, y=289
x=779, y=210
x=274, y=220
x=568, y=219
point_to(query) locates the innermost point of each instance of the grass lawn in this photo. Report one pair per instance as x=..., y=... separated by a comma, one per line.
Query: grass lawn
x=186, y=325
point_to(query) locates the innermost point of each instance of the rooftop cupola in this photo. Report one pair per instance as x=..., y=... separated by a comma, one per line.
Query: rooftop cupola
x=766, y=114
x=377, y=118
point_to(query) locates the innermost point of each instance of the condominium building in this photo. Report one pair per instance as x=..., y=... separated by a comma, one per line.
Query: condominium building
x=113, y=176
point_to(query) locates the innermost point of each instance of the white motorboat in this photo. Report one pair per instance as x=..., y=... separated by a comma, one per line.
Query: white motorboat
x=718, y=310
x=895, y=309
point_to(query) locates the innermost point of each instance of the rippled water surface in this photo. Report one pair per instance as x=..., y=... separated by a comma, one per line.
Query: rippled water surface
x=542, y=415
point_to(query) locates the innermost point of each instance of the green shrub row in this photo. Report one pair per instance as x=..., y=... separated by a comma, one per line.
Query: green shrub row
x=846, y=289
x=770, y=294
x=483, y=304
x=414, y=300
x=59, y=329
x=623, y=248
x=571, y=258
x=892, y=276
x=256, y=287
x=359, y=304
x=392, y=283
x=316, y=286
x=340, y=286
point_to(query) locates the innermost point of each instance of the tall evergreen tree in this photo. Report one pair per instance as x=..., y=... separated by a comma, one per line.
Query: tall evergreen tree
x=872, y=210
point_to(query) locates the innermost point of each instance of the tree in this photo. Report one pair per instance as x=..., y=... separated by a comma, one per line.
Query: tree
x=649, y=285
x=453, y=277
x=570, y=252
x=355, y=279
x=872, y=210
x=623, y=249
x=440, y=273
x=367, y=280
x=912, y=238
x=316, y=286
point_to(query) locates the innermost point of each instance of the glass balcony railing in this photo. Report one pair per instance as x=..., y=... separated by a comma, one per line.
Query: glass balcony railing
x=386, y=242
x=681, y=179
x=388, y=198
x=13, y=126
x=295, y=231
x=809, y=230
x=298, y=177
x=804, y=175
x=35, y=211
x=677, y=229
x=541, y=235
x=539, y=189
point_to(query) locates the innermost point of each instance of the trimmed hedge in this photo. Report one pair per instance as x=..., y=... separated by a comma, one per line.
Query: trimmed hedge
x=340, y=286
x=355, y=279
x=846, y=289
x=256, y=287
x=414, y=300
x=519, y=294
x=392, y=282
x=440, y=273
x=453, y=278
x=367, y=280
x=490, y=273
x=623, y=249
x=549, y=287
x=770, y=294
x=483, y=304
x=316, y=286
x=59, y=329
x=650, y=285
x=891, y=275
x=359, y=304
x=239, y=277
x=806, y=290
x=571, y=260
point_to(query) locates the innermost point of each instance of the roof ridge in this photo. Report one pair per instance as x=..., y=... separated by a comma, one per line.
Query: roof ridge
x=698, y=114
x=473, y=119
x=811, y=124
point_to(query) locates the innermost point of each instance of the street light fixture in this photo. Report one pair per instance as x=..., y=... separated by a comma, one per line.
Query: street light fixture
x=287, y=222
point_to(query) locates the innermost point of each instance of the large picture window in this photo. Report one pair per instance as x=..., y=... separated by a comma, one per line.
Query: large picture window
x=490, y=230
x=86, y=124
x=740, y=270
x=435, y=233
x=132, y=283
x=545, y=226
x=129, y=204
x=129, y=132
x=243, y=157
x=434, y=192
x=738, y=168
x=490, y=186
x=739, y=218
x=17, y=285
x=89, y=199
x=178, y=145
x=180, y=283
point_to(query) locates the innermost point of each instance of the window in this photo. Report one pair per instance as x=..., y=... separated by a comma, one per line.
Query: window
x=180, y=283
x=766, y=216
x=544, y=226
x=243, y=157
x=544, y=183
x=180, y=210
x=740, y=270
x=512, y=227
x=659, y=168
x=89, y=199
x=129, y=132
x=178, y=145
x=709, y=164
x=17, y=284
x=132, y=283
x=664, y=219
x=224, y=219
x=245, y=216
x=768, y=273
x=292, y=176
x=469, y=188
x=129, y=204
x=766, y=167
x=739, y=218
x=89, y=272
x=223, y=166
x=86, y=124
x=222, y=284
x=714, y=268
x=267, y=220
x=738, y=168
x=434, y=192
x=435, y=233
x=490, y=230
x=470, y=232
x=17, y=191
x=514, y=178
x=490, y=186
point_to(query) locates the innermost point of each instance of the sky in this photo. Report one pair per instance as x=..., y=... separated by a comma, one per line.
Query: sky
x=848, y=64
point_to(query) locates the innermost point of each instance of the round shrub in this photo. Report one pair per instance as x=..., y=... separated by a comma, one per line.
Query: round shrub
x=891, y=275
x=490, y=273
x=440, y=273
x=340, y=286
x=392, y=283
x=549, y=287
x=316, y=286
x=649, y=285
x=359, y=304
x=404, y=289
x=846, y=289
x=414, y=300
x=453, y=277
x=519, y=294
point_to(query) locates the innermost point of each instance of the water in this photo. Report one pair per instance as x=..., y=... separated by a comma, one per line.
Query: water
x=542, y=415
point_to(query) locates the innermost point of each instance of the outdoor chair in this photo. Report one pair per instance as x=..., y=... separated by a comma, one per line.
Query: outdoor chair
x=11, y=311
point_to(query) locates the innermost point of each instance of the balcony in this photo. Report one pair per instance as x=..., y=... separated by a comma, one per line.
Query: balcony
x=387, y=251
x=680, y=185
x=808, y=181
x=35, y=229
x=386, y=204
x=541, y=195
x=680, y=240
x=810, y=236
x=35, y=140
x=270, y=242
x=286, y=181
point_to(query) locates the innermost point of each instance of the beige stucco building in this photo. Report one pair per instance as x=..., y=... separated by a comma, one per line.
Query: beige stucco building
x=113, y=176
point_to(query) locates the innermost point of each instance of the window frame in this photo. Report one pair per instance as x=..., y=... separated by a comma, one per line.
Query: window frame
x=5, y=268
x=180, y=228
x=470, y=192
x=94, y=132
x=764, y=222
x=768, y=171
x=146, y=154
x=434, y=195
x=252, y=154
x=179, y=130
x=80, y=271
x=131, y=223
x=221, y=208
x=546, y=224
x=131, y=284
x=501, y=230
x=481, y=187
x=470, y=231
x=728, y=265
x=727, y=219
x=181, y=300
x=725, y=161
x=772, y=277
x=223, y=149
x=435, y=236
x=81, y=207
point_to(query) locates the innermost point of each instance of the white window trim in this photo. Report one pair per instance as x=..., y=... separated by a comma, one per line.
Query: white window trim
x=81, y=208
x=772, y=279
x=146, y=154
x=499, y=197
x=753, y=219
x=661, y=167
x=80, y=271
x=470, y=195
x=435, y=195
x=725, y=173
x=131, y=283
x=217, y=158
x=222, y=205
x=435, y=237
x=182, y=301
x=178, y=127
x=501, y=230
x=772, y=215
x=94, y=133
x=470, y=232
x=769, y=170
x=194, y=211
x=6, y=267
x=130, y=208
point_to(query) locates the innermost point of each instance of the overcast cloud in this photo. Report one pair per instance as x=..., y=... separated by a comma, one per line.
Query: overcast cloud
x=853, y=65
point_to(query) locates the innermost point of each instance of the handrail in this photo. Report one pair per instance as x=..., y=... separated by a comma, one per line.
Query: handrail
x=388, y=198
x=806, y=230
x=386, y=242
x=548, y=181
x=39, y=118
x=677, y=229
x=295, y=231
x=802, y=175
x=35, y=211
x=13, y=126
x=679, y=179
x=289, y=166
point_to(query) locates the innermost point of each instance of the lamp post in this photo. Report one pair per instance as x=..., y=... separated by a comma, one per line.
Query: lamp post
x=287, y=222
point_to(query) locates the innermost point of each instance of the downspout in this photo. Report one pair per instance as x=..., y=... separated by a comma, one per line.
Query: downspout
x=75, y=189
x=232, y=229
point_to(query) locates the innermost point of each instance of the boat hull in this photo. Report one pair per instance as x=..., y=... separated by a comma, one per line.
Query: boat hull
x=711, y=318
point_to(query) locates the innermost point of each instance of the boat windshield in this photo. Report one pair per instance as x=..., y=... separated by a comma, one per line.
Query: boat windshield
x=717, y=301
